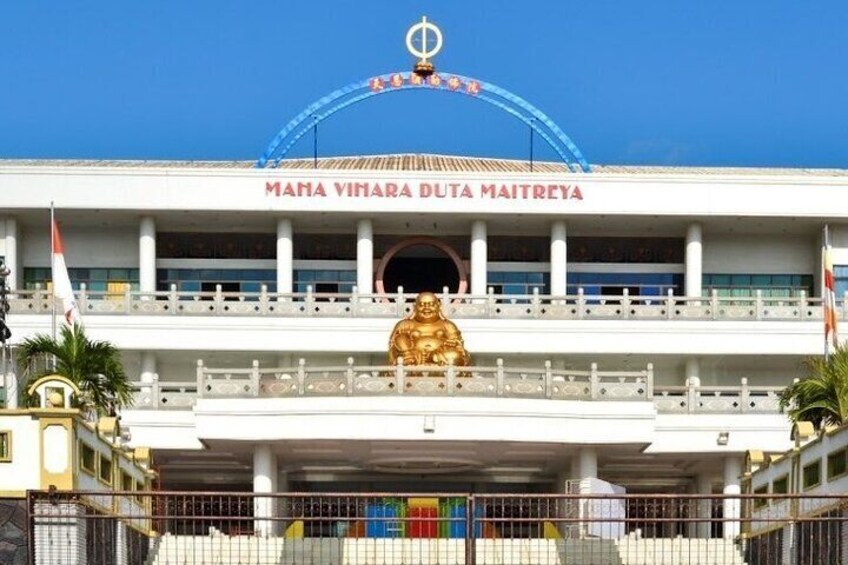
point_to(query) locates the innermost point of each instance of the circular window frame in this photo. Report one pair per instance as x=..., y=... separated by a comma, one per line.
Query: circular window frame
x=428, y=241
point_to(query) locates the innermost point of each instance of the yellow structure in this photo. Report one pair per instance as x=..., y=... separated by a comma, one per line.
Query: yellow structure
x=52, y=445
x=426, y=337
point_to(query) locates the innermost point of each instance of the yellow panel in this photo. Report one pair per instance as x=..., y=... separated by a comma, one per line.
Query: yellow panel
x=116, y=290
x=551, y=531
x=295, y=530
x=423, y=502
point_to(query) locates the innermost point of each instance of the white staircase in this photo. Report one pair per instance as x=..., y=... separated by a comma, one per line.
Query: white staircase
x=219, y=549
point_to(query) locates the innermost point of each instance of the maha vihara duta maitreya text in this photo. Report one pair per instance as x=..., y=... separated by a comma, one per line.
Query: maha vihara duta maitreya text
x=490, y=191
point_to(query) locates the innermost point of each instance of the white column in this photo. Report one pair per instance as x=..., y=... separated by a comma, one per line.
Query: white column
x=558, y=259
x=365, y=256
x=148, y=367
x=479, y=258
x=264, y=481
x=11, y=260
x=693, y=372
x=732, y=485
x=10, y=384
x=147, y=254
x=285, y=256
x=586, y=463
x=704, y=485
x=694, y=260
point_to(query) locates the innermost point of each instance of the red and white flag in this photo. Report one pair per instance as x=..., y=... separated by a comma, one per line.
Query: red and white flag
x=62, y=288
x=829, y=298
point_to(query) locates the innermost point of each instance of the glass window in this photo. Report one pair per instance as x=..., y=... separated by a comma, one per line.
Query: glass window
x=231, y=280
x=87, y=458
x=105, y=471
x=638, y=284
x=780, y=485
x=325, y=280
x=760, y=502
x=746, y=286
x=518, y=282
x=127, y=482
x=840, y=280
x=96, y=280
x=837, y=464
x=5, y=446
x=811, y=475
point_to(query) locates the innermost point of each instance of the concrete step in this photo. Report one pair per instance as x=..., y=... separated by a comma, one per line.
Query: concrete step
x=220, y=549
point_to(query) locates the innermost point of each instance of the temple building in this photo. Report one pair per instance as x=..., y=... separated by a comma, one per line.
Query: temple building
x=632, y=324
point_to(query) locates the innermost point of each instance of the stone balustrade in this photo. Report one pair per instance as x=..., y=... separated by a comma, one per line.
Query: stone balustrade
x=489, y=306
x=496, y=381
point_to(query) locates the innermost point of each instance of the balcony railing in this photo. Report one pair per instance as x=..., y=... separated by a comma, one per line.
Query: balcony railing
x=496, y=381
x=490, y=306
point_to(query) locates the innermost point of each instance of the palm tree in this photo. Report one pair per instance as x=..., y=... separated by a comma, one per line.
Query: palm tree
x=822, y=396
x=94, y=366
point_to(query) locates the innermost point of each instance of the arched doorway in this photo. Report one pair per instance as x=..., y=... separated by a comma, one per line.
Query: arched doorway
x=421, y=264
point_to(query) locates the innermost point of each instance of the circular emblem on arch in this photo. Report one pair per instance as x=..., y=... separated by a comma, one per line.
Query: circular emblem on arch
x=425, y=52
x=356, y=92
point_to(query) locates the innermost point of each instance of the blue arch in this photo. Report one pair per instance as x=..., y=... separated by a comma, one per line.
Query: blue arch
x=356, y=92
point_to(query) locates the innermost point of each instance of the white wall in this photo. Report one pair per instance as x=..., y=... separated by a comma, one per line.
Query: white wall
x=756, y=194
x=839, y=242
x=2, y=237
x=757, y=254
x=114, y=248
x=23, y=472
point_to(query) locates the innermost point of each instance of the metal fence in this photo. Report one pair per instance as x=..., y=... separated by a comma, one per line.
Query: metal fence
x=186, y=528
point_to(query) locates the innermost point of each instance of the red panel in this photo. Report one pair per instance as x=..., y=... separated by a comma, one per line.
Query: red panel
x=423, y=522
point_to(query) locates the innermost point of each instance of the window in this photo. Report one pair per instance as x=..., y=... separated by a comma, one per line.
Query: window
x=325, y=280
x=837, y=464
x=87, y=458
x=105, y=474
x=637, y=284
x=96, y=280
x=811, y=475
x=206, y=280
x=139, y=488
x=5, y=446
x=780, y=485
x=760, y=502
x=518, y=282
x=746, y=286
x=840, y=280
x=127, y=482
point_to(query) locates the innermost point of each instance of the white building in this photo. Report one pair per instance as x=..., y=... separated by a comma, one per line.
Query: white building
x=632, y=323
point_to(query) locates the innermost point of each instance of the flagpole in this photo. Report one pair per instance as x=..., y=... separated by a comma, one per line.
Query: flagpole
x=827, y=294
x=52, y=271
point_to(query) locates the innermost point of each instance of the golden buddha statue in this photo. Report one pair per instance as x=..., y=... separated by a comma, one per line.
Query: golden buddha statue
x=426, y=337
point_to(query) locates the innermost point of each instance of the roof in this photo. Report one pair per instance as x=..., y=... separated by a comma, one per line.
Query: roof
x=426, y=162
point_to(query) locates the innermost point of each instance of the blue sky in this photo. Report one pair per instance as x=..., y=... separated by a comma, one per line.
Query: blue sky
x=745, y=82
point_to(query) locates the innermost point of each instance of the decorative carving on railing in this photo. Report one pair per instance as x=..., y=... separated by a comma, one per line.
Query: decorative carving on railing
x=491, y=306
x=476, y=381
x=718, y=399
x=425, y=380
